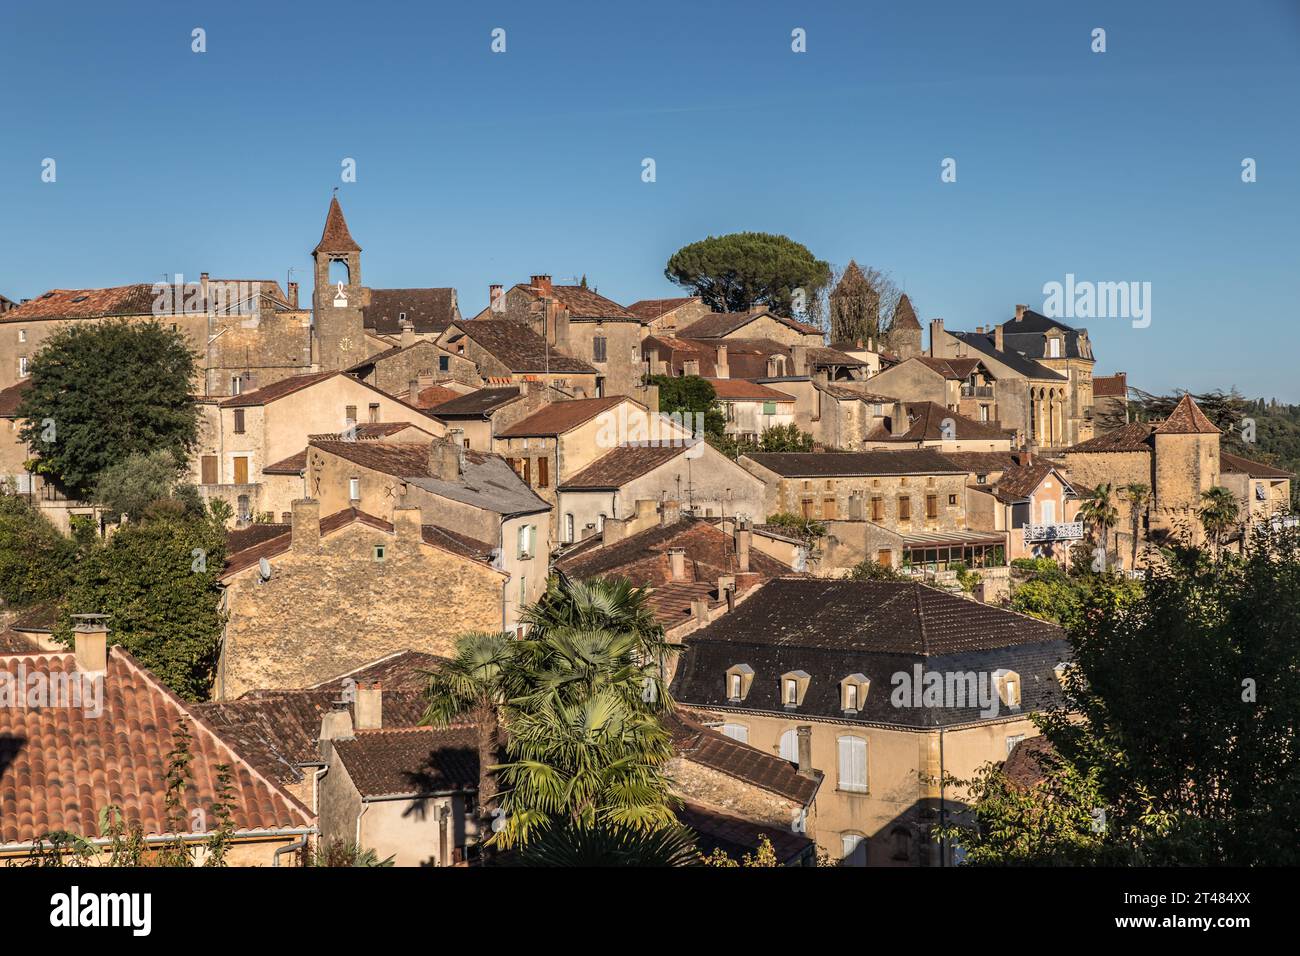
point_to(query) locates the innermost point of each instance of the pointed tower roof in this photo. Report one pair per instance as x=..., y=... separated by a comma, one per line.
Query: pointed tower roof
x=336, y=237
x=1186, y=419
x=904, y=314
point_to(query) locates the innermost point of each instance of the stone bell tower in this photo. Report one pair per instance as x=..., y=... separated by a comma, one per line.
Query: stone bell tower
x=337, y=303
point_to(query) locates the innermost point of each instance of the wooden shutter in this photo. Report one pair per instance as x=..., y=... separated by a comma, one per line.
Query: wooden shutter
x=543, y=472
x=209, y=469
x=241, y=471
x=239, y=421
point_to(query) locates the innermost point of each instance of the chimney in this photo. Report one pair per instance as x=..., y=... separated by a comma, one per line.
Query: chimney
x=203, y=289
x=304, y=530
x=1020, y=312
x=408, y=333
x=413, y=391
x=677, y=563
x=370, y=705
x=542, y=284
x=444, y=460
x=494, y=293
x=407, y=521
x=670, y=512
x=979, y=330
x=998, y=342
x=700, y=611
x=799, y=359
x=726, y=587
x=805, y=751
x=335, y=725
x=898, y=423
x=293, y=295
x=743, y=539
x=722, y=371
x=936, y=334
x=90, y=642
x=615, y=530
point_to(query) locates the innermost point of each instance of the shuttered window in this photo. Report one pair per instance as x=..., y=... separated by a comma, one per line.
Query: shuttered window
x=853, y=764
x=877, y=509
x=932, y=506
x=543, y=472
x=736, y=732
x=790, y=745
x=904, y=509
x=239, y=421
x=599, y=349
x=209, y=469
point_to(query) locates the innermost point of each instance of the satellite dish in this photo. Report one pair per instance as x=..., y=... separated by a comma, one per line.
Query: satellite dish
x=264, y=568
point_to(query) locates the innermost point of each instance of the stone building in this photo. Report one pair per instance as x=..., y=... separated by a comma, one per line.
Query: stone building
x=930, y=425
x=836, y=676
x=903, y=337
x=1064, y=349
x=345, y=589
x=667, y=315
x=756, y=324
x=964, y=385
x=508, y=352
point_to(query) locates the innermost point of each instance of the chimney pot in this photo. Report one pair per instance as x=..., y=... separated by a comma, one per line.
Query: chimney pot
x=370, y=705
x=90, y=642
x=804, y=735
x=542, y=284
x=1020, y=312
x=304, y=530
x=293, y=295
x=671, y=512
x=677, y=563
x=998, y=342
x=744, y=539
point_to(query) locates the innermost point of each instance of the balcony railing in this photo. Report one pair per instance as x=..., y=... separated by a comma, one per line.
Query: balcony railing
x=977, y=391
x=1069, y=531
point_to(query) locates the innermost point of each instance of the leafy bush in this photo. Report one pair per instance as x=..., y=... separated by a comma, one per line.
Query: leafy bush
x=36, y=561
x=797, y=524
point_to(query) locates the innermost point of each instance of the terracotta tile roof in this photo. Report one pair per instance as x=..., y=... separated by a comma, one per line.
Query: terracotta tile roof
x=1135, y=436
x=429, y=310
x=738, y=389
x=912, y=461
x=136, y=299
x=982, y=462
x=411, y=761
x=1023, y=766
x=956, y=369
x=699, y=744
x=673, y=604
x=1110, y=386
x=518, y=347
x=843, y=392
x=1234, y=464
x=643, y=559
x=478, y=404
x=1187, y=419
x=336, y=237
x=586, y=304
x=12, y=642
x=648, y=310
x=833, y=628
x=720, y=324
x=278, y=730
x=432, y=396
x=904, y=315
x=241, y=539
x=62, y=765
x=560, y=417
x=11, y=397
x=620, y=465
x=1020, y=481
x=738, y=837
x=823, y=357
x=927, y=420
x=276, y=390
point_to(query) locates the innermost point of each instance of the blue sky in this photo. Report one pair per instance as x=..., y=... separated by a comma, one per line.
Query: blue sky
x=474, y=167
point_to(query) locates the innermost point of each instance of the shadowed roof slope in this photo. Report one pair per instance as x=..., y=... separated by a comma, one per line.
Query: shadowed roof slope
x=1187, y=419
x=335, y=237
x=411, y=761
x=559, y=417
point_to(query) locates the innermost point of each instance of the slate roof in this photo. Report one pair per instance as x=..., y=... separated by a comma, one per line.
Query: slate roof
x=411, y=761
x=1234, y=464
x=518, y=347
x=62, y=765
x=707, y=747
x=620, y=465
x=740, y=390
x=1013, y=359
x=911, y=461
x=833, y=628
x=720, y=324
x=480, y=403
x=1027, y=337
x=560, y=417
x=487, y=481
x=904, y=315
x=738, y=837
x=1187, y=419
x=429, y=310
x=927, y=420
x=335, y=237
x=647, y=310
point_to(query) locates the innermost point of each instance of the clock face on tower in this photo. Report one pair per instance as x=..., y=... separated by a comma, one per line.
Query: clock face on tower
x=345, y=343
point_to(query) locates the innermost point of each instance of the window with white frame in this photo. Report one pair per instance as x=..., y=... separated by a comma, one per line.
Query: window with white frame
x=853, y=764
x=1012, y=740
x=790, y=745
x=568, y=527
x=354, y=489
x=22, y=366
x=791, y=694
x=735, y=684
x=854, y=849
x=525, y=541
x=736, y=732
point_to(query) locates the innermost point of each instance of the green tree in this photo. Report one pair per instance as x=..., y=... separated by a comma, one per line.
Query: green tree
x=875, y=571
x=1218, y=514
x=36, y=561
x=130, y=485
x=157, y=580
x=1138, y=496
x=1099, y=513
x=785, y=438
x=101, y=391
x=578, y=699
x=747, y=270
x=605, y=845
x=1049, y=597
x=1176, y=741
x=688, y=396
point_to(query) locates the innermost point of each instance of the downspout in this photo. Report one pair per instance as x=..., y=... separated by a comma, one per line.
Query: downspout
x=365, y=805
x=299, y=845
x=943, y=811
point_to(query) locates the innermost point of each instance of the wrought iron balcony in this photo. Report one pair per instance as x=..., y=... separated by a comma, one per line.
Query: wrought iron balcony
x=1068, y=531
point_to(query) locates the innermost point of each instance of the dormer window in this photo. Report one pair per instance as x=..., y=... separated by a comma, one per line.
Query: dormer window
x=739, y=679
x=794, y=685
x=1062, y=671
x=1008, y=687
x=853, y=693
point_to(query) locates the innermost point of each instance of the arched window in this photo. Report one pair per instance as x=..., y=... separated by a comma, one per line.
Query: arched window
x=568, y=527
x=853, y=764
x=854, y=849
x=790, y=745
x=736, y=732
x=339, y=272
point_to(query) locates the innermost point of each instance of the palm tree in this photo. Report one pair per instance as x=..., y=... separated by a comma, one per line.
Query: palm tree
x=1218, y=514
x=1138, y=495
x=1098, y=511
x=578, y=698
